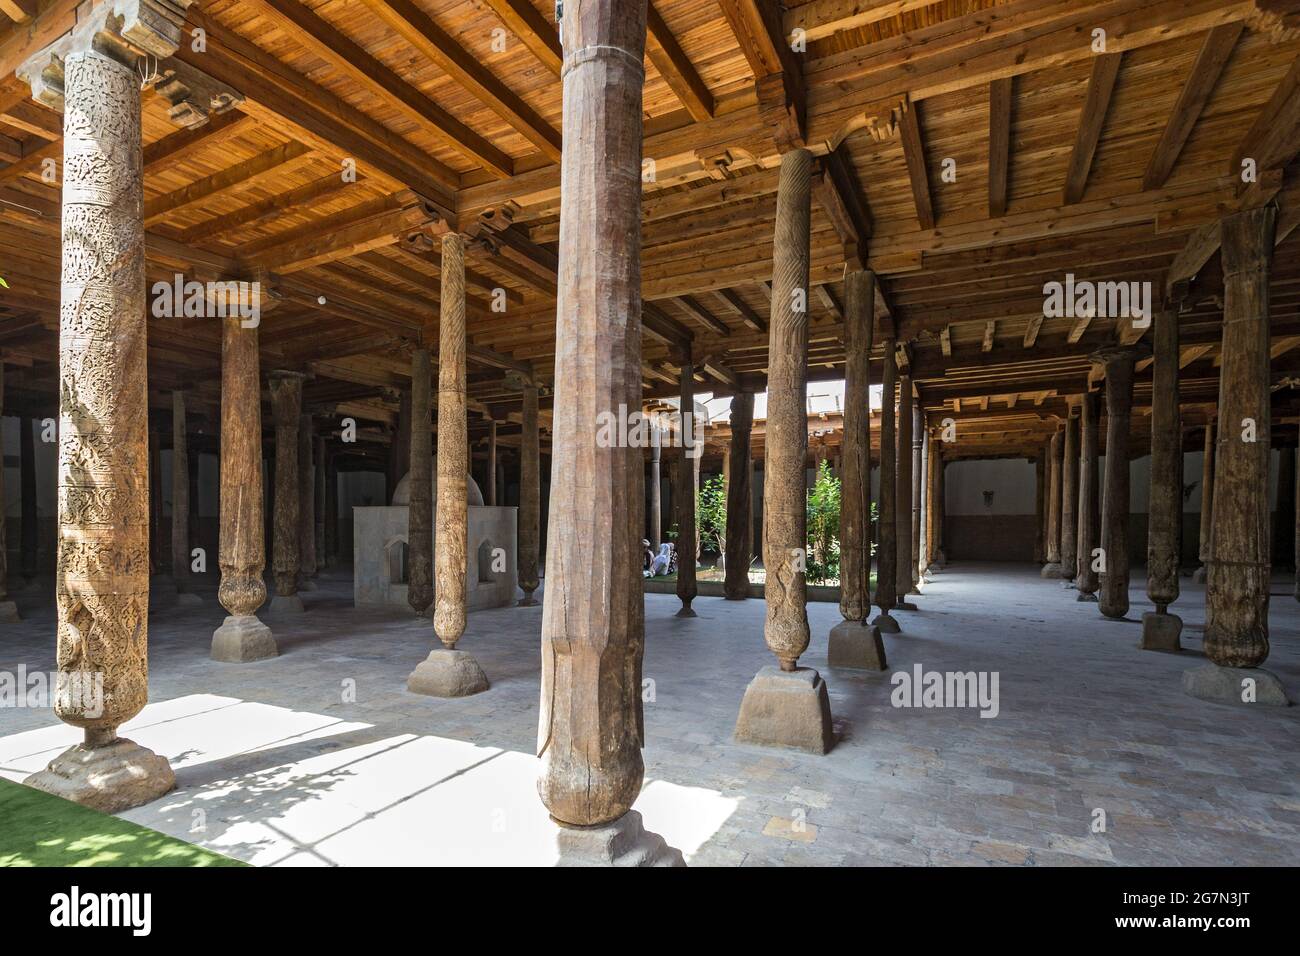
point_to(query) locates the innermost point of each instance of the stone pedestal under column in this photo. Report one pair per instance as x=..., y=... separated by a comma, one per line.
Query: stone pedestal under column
x=1160, y=632
x=786, y=709
x=447, y=673
x=856, y=644
x=625, y=842
x=1233, y=685
x=110, y=778
x=241, y=639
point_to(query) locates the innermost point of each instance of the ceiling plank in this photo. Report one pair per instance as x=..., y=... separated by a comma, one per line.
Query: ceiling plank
x=273, y=161
x=182, y=144
x=1274, y=137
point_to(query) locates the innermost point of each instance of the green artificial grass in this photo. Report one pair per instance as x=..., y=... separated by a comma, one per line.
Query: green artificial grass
x=39, y=829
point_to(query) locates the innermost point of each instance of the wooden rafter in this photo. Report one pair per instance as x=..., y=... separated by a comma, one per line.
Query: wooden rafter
x=1092, y=118
x=1000, y=91
x=675, y=66
x=914, y=155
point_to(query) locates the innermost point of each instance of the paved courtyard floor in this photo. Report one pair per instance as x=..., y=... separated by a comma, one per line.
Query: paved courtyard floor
x=321, y=757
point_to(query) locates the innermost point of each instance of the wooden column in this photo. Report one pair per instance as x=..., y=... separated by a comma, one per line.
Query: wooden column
x=1207, y=505
x=1040, y=507
x=914, y=529
x=530, y=498
x=1089, y=507
x=8, y=610
x=939, y=505
x=399, y=450
x=331, y=507
x=740, y=498
x=242, y=540
x=31, y=538
x=1165, y=501
x=1118, y=363
x=306, y=506
x=687, y=464
x=1070, y=497
x=590, y=731
x=903, y=493
x=181, y=499
x=887, y=543
x=655, y=511
x=286, y=410
x=102, y=581
x=1055, y=447
x=1283, y=530
x=318, y=451
x=419, y=531
x=855, y=482
x=1236, y=592
x=492, y=465
x=923, y=499
x=930, y=527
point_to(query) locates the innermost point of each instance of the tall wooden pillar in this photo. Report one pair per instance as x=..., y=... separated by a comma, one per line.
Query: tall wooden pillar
x=31, y=538
x=684, y=506
x=1118, y=362
x=1236, y=592
x=306, y=506
x=419, y=530
x=887, y=529
x=8, y=610
x=775, y=694
x=399, y=450
x=1052, y=542
x=1089, y=506
x=530, y=498
x=740, y=498
x=590, y=730
x=853, y=642
x=331, y=507
x=318, y=452
x=1165, y=509
x=1040, y=506
x=1205, y=536
x=242, y=540
x=1070, y=498
x=923, y=502
x=903, y=493
x=286, y=409
x=102, y=582
x=448, y=671
x=655, y=513
x=181, y=501
x=914, y=529
x=492, y=464
x=940, y=507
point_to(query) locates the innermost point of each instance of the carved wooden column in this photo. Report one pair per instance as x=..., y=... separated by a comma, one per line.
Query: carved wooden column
x=1160, y=630
x=306, y=506
x=8, y=609
x=447, y=671
x=1089, y=507
x=1070, y=498
x=854, y=642
x=181, y=503
x=1052, y=569
x=918, y=473
x=1118, y=363
x=1237, y=589
x=1207, y=505
x=590, y=731
x=242, y=548
x=419, y=531
x=903, y=495
x=31, y=539
x=286, y=410
x=492, y=465
x=684, y=505
x=530, y=497
x=887, y=528
x=655, y=531
x=789, y=705
x=740, y=498
x=102, y=589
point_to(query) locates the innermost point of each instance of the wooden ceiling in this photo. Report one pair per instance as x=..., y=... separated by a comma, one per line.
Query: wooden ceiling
x=971, y=151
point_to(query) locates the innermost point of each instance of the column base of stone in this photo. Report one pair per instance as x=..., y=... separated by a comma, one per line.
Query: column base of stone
x=1052, y=570
x=886, y=624
x=1086, y=596
x=528, y=601
x=856, y=645
x=447, y=673
x=904, y=605
x=685, y=611
x=306, y=584
x=112, y=778
x=9, y=613
x=625, y=842
x=188, y=599
x=1198, y=576
x=786, y=709
x=1160, y=632
x=243, y=638
x=285, y=604
x=1228, y=685
x=1068, y=584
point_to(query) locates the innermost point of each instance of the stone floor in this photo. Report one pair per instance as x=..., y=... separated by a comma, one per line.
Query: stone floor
x=321, y=757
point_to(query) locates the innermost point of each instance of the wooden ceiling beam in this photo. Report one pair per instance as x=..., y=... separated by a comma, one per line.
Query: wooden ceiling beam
x=822, y=18
x=184, y=143
x=914, y=155
x=1000, y=91
x=418, y=29
x=534, y=31
x=778, y=76
x=1274, y=138
x=262, y=210
x=277, y=161
x=841, y=199
x=1092, y=118
x=747, y=315
x=674, y=66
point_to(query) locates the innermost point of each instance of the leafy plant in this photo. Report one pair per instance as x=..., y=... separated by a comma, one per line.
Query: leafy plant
x=711, y=514
x=823, y=560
